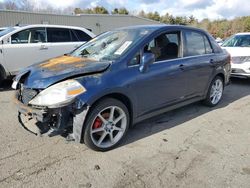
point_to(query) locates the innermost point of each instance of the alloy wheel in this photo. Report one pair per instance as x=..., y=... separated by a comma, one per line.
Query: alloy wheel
x=108, y=127
x=216, y=91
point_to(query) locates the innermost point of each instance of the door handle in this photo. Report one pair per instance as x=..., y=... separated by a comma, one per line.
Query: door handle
x=43, y=47
x=181, y=66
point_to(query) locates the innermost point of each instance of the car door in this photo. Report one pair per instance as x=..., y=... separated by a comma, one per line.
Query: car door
x=163, y=84
x=198, y=63
x=61, y=41
x=25, y=48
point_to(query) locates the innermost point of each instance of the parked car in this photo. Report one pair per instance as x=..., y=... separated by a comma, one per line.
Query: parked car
x=239, y=47
x=120, y=78
x=21, y=46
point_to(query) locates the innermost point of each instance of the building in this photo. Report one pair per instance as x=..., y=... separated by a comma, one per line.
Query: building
x=98, y=23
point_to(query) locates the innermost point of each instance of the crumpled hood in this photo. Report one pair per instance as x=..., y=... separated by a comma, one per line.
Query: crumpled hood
x=44, y=74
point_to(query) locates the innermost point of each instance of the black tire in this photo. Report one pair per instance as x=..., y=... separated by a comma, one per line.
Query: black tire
x=2, y=75
x=1, y=79
x=208, y=100
x=102, y=107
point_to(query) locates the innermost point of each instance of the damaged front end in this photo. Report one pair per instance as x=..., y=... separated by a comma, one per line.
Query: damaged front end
x=48, y=95
x=52, y=111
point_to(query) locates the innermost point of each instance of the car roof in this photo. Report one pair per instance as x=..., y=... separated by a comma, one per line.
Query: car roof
x=160, y=26
x=157, y=26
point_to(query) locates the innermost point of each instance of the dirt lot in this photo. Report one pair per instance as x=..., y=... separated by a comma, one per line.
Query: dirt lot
x=194, y=146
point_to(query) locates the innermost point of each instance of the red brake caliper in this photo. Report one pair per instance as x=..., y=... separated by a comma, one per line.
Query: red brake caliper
x=97, y=123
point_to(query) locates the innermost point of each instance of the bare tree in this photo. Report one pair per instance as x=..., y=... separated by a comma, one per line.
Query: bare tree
x=1, y=5
x=26, y=5
x=10, y=5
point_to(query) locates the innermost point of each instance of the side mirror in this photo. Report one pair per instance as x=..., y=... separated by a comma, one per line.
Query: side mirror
x=147, y=59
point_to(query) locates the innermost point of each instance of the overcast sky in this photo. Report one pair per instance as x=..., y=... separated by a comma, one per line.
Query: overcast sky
x=212, y=9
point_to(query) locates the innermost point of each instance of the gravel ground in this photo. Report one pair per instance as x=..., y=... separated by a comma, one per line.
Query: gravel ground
x=194, y=146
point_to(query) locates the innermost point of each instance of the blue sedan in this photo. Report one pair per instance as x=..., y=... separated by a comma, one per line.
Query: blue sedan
x=95, y=93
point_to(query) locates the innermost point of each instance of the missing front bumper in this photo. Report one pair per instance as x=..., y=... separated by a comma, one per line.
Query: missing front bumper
x=65, y=121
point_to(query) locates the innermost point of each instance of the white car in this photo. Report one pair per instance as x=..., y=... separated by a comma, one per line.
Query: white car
x=21, y=46
x=239, y=48
x=2, y=28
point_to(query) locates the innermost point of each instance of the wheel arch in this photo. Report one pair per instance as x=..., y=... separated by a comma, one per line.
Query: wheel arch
x=222, y=76
x=122, y=98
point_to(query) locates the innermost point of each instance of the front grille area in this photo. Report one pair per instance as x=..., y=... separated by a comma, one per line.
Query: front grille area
x=27, y=95
x=240, y=59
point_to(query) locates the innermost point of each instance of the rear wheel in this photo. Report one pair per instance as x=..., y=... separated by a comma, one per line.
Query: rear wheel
x=215, y=92
x=106, y=125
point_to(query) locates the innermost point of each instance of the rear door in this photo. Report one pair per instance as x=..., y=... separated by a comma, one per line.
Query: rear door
x=25, y=48
x=60, y=41
x=63, y=40
x=198, y=61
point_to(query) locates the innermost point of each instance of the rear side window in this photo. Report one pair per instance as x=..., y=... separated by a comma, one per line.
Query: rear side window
x=35, y=35
x=58, y=35
x=196, y=44
x=74, y=37
x=208, y=47
x=82, y=36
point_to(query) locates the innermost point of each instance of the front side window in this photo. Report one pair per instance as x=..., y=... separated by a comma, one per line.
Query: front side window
x=196, y=44
x=58, y=35
x=21, y=37
x=165, y=46
x=35, y=35
x=111, y=45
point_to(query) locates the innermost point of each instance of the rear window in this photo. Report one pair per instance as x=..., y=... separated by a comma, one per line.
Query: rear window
x=58, y=35
x=82, y=36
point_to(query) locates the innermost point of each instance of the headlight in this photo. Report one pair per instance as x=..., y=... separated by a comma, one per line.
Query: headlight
x=59, y=94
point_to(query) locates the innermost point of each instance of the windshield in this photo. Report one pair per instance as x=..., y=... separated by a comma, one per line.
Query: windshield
x=110, y=45
x=6, y=31
x=237, y=41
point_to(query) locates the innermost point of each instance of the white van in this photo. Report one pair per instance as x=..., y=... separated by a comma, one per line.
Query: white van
x=22, y=46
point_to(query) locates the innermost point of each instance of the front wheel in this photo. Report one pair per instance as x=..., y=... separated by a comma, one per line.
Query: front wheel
x=106, y=125
x=215, y=92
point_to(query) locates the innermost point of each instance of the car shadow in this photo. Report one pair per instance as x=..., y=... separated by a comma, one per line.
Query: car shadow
x=6, y=85
x=238, y=89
